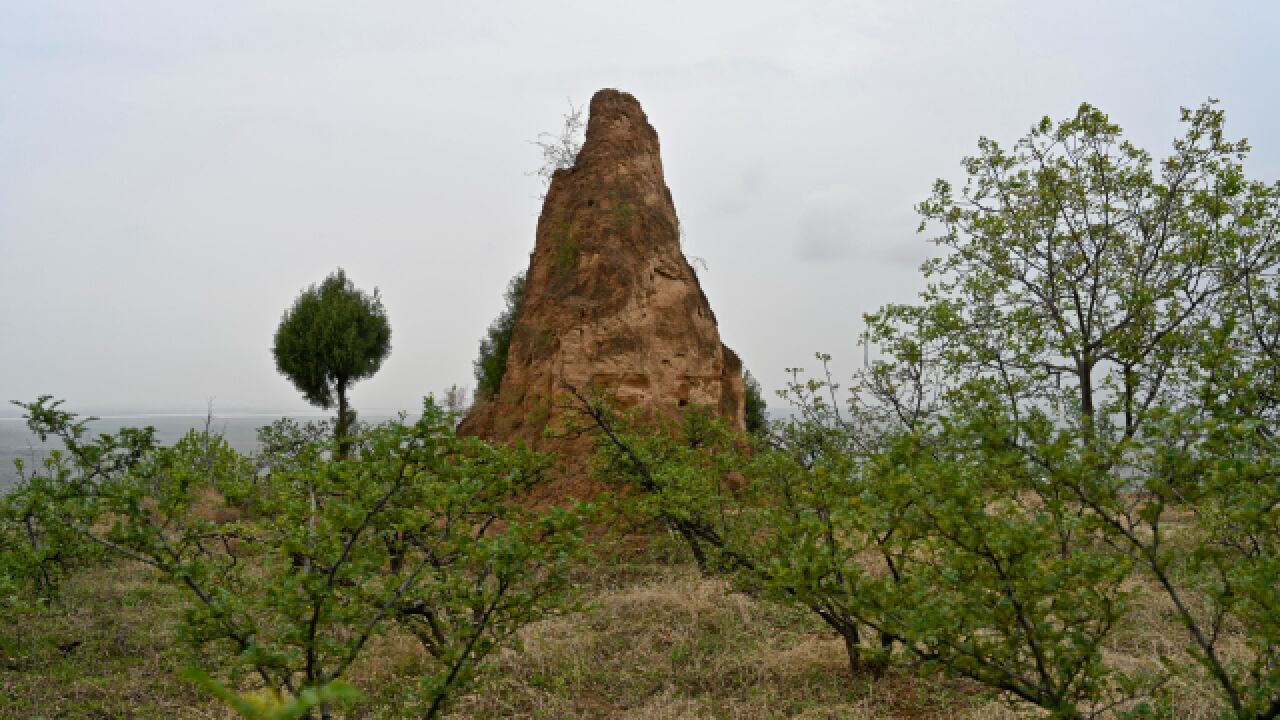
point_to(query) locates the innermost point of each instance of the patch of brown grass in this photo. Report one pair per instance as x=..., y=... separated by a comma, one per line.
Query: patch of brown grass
x=682, y=646
x=1152, y=633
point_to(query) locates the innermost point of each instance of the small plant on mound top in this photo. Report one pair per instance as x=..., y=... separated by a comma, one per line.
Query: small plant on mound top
x=560, y=149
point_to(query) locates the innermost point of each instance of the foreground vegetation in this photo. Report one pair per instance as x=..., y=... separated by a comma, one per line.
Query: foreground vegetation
x=294, y=563
x=657, y=640
x=1053, y=494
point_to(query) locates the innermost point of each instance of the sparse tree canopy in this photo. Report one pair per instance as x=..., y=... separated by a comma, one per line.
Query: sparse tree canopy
x=1089, y=362
x=332, y=336
x=491, y=365
x=1079, y=274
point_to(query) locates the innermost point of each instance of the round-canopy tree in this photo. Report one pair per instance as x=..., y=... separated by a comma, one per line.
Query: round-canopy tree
x=332, y=336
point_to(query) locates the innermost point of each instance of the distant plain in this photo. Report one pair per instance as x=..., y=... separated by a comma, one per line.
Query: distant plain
x=240, y=430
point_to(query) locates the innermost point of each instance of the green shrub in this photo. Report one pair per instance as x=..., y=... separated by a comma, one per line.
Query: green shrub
x=293, y=566
x=491, y=365
x=756, y=412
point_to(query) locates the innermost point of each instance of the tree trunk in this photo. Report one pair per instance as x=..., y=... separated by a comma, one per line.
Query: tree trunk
x=342, y=429
x=853, y=649
x=1084, y=373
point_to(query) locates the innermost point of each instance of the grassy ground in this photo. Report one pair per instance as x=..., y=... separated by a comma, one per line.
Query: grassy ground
x=675, y=645
x=107, y=650
x=656, y=640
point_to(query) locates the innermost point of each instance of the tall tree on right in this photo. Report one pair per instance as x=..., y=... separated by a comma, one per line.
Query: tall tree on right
x=1076, y=273
x=1094, y=349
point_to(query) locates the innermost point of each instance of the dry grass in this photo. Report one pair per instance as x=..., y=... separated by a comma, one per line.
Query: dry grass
x=1151, y=631
x=681, y=646
x=657, y=640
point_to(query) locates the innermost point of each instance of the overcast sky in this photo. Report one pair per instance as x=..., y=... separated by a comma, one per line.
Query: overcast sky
x=173, y=174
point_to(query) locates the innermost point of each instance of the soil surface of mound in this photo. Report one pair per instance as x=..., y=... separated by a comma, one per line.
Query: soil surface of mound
x=610, y=301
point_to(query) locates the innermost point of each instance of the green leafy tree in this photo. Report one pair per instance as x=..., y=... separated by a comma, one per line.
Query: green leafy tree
x=884, y=557
x=1077, y=275
x=491, y=365
x=332, y=336
x=36, y=554
x=756, y=411
x=1098, y=326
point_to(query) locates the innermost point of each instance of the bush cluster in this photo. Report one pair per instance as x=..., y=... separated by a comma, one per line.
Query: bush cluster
x=295, y=559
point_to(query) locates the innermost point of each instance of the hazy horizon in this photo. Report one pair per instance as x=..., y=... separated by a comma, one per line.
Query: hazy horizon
x=239, y=430
x=122, y=412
